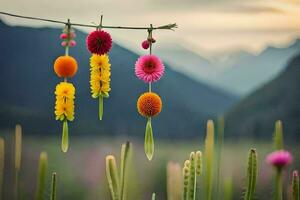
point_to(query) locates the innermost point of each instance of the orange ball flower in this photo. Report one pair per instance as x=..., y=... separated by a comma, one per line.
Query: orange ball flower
x=149, y=104
x=65, y=66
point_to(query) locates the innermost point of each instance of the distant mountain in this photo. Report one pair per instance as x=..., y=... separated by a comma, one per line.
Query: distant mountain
x=252, y=71
x=278, y=99
x=239, y=72
x=27, y=83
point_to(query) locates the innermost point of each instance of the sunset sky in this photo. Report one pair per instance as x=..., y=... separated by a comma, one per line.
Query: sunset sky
x=206, y=27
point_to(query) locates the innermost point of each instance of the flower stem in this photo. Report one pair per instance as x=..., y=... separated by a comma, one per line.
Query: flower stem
x=65, y=137
x=278, y=185
x=100, y=107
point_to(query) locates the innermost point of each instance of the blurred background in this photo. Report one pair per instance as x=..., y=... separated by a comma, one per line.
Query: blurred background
x=228, y=58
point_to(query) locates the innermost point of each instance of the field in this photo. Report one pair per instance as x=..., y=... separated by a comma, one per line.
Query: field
x=81, y=171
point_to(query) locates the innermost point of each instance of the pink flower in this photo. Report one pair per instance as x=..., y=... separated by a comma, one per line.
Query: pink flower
x=149, y=68
x=99, y=42
x=145, y=44
x=279, y=158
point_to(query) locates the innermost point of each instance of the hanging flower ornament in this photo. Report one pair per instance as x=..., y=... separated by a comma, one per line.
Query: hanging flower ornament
x=65, y=67
x=99, y=44
x=149, y=68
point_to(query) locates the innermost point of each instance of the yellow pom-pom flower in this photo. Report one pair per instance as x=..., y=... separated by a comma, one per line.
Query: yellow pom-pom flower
x=100, y=75
x=64, y=105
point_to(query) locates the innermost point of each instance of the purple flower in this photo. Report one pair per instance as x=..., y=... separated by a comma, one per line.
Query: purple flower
x=279, y=158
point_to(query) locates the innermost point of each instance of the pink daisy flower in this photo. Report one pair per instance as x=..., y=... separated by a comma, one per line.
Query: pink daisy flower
x=279, y=158
x=99, y=42
x=149, y=68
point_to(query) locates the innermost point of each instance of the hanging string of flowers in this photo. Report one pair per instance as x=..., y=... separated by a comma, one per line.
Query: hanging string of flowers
x=65, y=67
x=149, y=68
x=99, y=44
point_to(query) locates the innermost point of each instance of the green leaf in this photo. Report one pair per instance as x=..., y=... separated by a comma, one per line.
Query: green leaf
x=65, y=137
x=113, y=177
x=149, y=141
x=125, y=156
x=100, y=107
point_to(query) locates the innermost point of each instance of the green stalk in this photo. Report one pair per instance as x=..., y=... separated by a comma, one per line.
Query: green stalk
x=65, y=137
x=153, y=196
x=18, y=154
x=278, y=184
x=125, y=156
x=112, y=177
x=228, y=189
x=220, y=130
x=251, y=175
x=278, y=136
x=149, y=141
x=100, y=107
x=42, y=176
x=209, y=158
x=295, y=185
x=53, y=187
x=2, y=160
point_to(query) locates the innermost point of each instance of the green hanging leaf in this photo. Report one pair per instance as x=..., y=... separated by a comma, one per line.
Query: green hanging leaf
x=149, y=141
x=65, y=137
x=100, y=107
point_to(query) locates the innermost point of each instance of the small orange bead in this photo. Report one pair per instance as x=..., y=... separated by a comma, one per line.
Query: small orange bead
x=149, y=104
x=65, y=66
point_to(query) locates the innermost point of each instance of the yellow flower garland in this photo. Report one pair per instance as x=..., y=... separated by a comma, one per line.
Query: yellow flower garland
x=64, y=105
x=100, y=75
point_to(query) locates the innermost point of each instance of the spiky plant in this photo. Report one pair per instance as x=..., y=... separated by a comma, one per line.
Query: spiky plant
x=251, y=175
x=209, y=159
x=295, y=186
x=42, y=176
x=191, y=169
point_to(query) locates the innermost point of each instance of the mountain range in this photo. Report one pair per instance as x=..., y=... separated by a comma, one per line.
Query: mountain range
x=27, y=84
x=239, y=72
x=279, y=99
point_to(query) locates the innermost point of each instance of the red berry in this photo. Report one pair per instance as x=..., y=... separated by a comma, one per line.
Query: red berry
x=146, y=44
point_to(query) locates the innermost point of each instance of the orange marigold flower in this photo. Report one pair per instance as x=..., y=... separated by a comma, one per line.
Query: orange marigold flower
x=65, y=66
x=149, y=104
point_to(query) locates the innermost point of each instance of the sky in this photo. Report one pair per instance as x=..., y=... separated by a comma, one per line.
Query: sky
x=208, y=27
